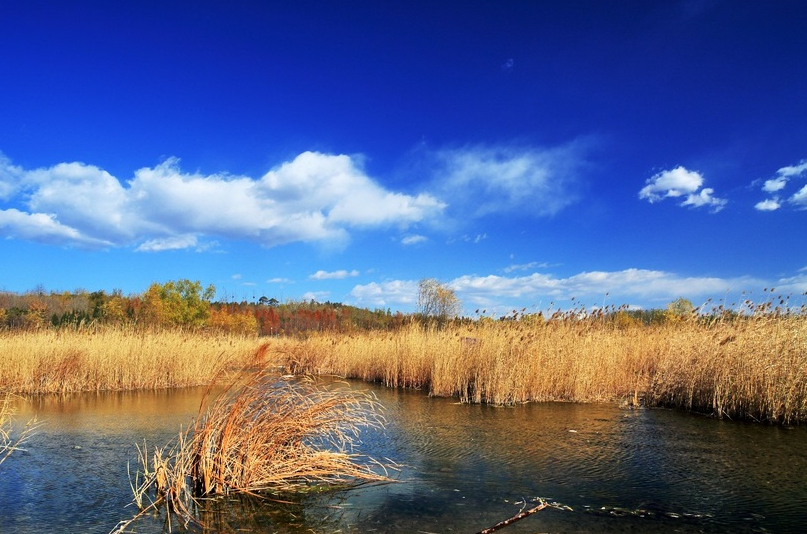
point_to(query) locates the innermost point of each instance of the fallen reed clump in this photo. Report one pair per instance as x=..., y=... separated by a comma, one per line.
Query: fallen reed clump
x=8, y=441
x=115, y=358
x=751, y=366
x=261, y=434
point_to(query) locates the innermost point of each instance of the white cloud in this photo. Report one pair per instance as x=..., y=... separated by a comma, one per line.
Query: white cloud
x=779, y=183
x=681, y=182
x=525, y=266
x=280, y=281
x=494, y=291
x=10, y=178
x=42, y=227
x=769, y=204
x=335, y=275
x=399, y=292
x=168, y=243
x=313, y=198
x=674, y=183
x=775, y=184
x=705, y=198
x=316, y=296
x=482, y=180
x=414, y=239
x=793, y=170
x=800, y=198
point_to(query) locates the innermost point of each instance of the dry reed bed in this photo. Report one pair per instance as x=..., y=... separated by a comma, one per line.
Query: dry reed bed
x=62, y=361
x=751, y=367
x=261, y=434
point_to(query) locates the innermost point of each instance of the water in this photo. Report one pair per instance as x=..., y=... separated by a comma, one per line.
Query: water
x=463, y=468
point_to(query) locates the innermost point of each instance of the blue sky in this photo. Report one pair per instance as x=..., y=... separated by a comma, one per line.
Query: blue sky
x=525, y=153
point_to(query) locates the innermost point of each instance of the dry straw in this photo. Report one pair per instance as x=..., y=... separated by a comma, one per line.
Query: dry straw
x=262, y=434
x=751, y=366
x=110, y=358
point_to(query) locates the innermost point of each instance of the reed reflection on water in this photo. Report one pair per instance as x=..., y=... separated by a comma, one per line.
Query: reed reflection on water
x=464, y=468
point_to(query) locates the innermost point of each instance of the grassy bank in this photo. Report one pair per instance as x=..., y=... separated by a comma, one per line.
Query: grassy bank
x=752, y=368
x=69, y=360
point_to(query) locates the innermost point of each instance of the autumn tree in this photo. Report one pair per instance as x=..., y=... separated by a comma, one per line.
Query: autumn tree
x=177, y=303
x=678, y=310
x=437, y=300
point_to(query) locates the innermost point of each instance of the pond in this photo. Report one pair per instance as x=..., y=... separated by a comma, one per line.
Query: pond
x=463, y=468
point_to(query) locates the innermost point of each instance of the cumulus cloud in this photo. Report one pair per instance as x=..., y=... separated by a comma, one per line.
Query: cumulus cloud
x=313, y=198
x=42, y=227
x=681, y=182
x=770, y=204
x=775, y=184
x=779, y=183
x=484, y=179
x=334, y=275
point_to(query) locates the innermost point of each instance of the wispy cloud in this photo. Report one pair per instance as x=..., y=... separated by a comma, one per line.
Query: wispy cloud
x=280, y=281
x=681, y=182
x=313, y=198
x=533, y=181
x=779, y=183
x=414, y=239
x=525, y=266
x=168, y=243
x=334, y=275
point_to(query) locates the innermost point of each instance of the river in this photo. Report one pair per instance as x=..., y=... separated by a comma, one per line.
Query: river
x=463, y=468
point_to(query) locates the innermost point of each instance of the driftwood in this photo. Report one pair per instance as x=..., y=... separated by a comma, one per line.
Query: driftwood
x=518, y=517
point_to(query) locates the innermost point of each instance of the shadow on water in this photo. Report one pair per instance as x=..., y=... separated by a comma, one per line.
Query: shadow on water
x=464, y=468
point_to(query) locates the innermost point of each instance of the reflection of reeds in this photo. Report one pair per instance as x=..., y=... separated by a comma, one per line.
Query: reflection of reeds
x=751, y=367
x=60, y=361
x=262, y=434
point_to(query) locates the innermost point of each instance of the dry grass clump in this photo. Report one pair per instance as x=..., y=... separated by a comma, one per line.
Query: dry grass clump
x=751, y=366
x=264, y=434
x=115, y=358
x=8, y=442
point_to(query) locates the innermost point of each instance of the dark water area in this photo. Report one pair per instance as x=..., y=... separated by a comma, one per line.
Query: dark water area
x=463, y=468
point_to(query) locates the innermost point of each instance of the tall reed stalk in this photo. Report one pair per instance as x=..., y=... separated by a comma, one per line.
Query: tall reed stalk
x=110, y=358
x=752, y=367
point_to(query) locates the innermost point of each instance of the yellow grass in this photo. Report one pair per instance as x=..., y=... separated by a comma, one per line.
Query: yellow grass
x=61, y=361
x=752, y=368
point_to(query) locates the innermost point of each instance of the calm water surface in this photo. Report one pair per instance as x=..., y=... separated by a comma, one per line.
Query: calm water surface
x=464, y=468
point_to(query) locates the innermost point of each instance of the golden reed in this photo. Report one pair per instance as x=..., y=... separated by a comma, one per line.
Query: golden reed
x=747, y=367
x=63, y=361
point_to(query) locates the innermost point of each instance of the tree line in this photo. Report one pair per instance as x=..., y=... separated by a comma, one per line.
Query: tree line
x=187, y=304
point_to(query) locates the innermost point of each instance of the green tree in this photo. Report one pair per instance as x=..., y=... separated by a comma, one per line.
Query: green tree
x=437, y=300
x=178, y=303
